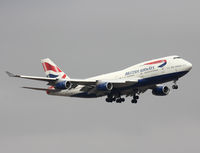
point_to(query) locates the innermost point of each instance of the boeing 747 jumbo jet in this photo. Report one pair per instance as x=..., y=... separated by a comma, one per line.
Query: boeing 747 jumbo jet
x=131, y=81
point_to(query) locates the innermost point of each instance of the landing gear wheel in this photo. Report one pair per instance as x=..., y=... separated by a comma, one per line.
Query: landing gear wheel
x=109, y=100
x=134, y=101
x=119, y=100
x=175, y=87
x=136, y=97
x=114, y=99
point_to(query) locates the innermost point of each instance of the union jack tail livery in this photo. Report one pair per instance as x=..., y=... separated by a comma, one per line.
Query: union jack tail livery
x=52, y=70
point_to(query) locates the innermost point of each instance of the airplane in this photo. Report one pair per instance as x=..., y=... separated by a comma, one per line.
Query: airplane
x=131, y=81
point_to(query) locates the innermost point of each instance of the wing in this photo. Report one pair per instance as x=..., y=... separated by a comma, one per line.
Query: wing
x=88, y=84
x=50, y=80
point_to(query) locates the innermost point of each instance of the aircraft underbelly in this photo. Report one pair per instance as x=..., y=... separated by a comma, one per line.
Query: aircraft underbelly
x=158, y=79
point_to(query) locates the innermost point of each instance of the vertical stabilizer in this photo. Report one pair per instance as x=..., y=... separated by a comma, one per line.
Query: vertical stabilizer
x=52, y=70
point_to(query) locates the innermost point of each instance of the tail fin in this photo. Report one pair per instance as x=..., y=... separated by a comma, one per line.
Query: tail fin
x=52, y=70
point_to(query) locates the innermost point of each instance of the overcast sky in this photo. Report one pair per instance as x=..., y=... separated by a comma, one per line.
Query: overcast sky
x=86, y=38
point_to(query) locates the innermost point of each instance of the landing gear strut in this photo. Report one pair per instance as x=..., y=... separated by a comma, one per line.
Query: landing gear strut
x=175, y=86
x=135, y=98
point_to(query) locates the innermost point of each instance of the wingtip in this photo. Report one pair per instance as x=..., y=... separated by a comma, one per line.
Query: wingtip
x=10, y=74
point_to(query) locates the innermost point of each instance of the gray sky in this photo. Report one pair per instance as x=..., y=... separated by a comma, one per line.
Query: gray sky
x=87, y=38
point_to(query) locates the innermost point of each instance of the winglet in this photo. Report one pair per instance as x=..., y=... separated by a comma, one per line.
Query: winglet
x=11, y=74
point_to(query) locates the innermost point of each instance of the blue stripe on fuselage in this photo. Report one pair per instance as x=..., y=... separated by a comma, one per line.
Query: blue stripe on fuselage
x=162, y=65
x=161, y=78
x=144, y=82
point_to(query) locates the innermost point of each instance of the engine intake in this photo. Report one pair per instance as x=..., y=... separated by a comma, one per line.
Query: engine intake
x=63, y=85
x=106, y=86
x=161, y=91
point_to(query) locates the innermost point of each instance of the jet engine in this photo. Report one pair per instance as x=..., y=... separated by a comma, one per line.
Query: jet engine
x=161, y=91
x=105, y=86
x=63, y=85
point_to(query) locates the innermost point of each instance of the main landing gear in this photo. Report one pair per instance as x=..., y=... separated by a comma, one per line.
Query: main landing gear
x=135, y=98
x=175, y=86
x=112, y=98
x=117, y=98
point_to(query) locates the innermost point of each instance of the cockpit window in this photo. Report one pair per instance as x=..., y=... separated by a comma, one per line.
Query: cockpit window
x=177, y=57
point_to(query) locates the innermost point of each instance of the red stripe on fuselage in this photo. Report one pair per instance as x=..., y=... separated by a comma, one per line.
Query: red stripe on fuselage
x=156, y=62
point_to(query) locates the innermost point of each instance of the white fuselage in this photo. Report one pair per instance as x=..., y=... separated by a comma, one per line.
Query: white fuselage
x=149, y=73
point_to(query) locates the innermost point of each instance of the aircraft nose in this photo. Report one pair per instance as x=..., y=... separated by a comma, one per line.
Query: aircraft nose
x=189, y=66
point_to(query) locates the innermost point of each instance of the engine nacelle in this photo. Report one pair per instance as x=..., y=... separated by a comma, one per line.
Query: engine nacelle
x=161, y=91
x=63, y=85
x=105, y=86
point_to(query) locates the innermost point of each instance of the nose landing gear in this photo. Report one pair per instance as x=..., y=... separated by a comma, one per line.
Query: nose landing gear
x=175, y=86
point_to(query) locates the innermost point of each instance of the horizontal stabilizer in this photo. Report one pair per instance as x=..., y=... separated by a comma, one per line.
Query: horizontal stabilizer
x=11, y=74
x=41, y=89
